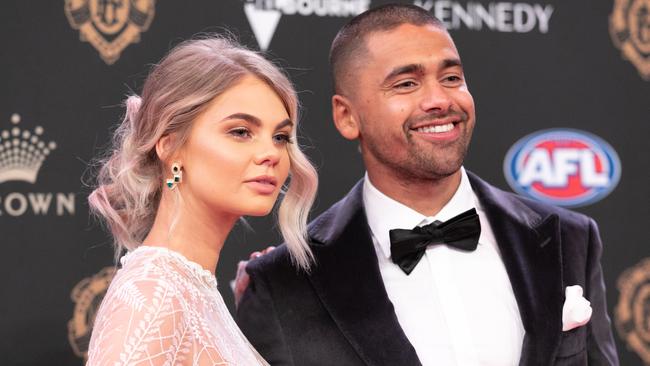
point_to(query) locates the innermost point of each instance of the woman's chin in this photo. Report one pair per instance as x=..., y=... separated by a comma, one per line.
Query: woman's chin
x=259, y=211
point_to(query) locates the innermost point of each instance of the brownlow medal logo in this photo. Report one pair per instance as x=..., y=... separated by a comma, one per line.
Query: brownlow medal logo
x=87, y=296
x=110, y=25
x=632, y=313
x=629, y=26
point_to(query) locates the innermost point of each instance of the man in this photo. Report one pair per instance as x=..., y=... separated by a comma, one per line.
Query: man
x=488, y=290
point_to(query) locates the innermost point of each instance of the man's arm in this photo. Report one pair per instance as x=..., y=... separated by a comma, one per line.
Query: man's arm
x=257, y=318
x=600, y=342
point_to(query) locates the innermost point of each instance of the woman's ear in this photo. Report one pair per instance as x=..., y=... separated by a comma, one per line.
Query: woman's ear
x=164, y=150
x=344, y=117
x=163, y=146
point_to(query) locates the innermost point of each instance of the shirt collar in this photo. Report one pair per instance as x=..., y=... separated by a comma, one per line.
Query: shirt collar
x=384, y=213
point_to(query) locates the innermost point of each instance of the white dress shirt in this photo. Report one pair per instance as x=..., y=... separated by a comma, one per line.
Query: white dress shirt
x=456, y=307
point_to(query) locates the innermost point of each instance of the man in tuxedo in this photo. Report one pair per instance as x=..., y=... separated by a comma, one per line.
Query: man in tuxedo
x=481, y=278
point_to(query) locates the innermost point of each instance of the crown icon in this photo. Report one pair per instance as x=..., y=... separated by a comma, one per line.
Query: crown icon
x=22, y=152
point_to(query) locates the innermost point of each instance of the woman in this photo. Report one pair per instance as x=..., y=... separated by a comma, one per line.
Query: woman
x=211, y=139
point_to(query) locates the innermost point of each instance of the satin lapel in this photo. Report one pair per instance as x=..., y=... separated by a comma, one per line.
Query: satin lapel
x=348, y=282
x=531, y=251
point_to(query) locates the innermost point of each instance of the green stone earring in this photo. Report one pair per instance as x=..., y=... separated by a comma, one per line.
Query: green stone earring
x=177, y=176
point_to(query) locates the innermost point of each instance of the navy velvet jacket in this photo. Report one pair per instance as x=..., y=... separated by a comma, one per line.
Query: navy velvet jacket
x=340, y=314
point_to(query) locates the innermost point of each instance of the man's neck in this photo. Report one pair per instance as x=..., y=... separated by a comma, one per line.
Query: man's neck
x=410, y=192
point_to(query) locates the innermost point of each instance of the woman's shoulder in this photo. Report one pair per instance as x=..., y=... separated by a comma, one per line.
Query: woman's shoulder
x=142, y=265
x=143, y=309
x=143, y=276
x=146, y=256
x=149, y=269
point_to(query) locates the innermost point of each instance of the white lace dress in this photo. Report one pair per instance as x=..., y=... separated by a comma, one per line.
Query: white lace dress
x=163, y=309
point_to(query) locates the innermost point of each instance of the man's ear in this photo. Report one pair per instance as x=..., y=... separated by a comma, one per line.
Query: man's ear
x=345, y=119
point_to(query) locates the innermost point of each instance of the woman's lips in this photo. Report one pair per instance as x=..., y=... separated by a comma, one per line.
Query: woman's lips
x=262, y=185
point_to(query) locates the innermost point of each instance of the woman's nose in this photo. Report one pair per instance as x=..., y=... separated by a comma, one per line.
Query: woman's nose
x=269, y=154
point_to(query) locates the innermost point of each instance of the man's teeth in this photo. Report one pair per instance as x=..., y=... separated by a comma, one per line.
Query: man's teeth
x=436, y=129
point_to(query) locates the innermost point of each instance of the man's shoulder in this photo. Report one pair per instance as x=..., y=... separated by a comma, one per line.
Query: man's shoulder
x=544, y=210
x=278, y=259
x=319, y=231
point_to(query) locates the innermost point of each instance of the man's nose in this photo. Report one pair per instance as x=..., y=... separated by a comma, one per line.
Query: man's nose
x=435, y=98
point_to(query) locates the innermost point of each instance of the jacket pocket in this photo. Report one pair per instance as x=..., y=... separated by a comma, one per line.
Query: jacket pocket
x=573, y=342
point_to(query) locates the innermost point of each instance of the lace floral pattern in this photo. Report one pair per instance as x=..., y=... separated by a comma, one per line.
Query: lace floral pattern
x=162, y=309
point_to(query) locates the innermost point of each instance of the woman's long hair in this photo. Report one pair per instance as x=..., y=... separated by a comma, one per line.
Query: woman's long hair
x=177, y=90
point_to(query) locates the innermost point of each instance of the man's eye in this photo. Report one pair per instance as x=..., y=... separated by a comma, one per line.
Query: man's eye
x=282, y=139
x=453, y=78
x=240, y=132
x=405, y=84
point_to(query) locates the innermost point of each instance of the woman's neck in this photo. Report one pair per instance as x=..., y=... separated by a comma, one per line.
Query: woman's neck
x=191, y=230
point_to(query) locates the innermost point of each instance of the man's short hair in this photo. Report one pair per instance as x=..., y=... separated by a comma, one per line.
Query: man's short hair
x=349, y=42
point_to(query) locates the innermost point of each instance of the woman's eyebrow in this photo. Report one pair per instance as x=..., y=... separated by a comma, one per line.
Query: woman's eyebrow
x=246, y=117
x=286, y=122
x=256, y=121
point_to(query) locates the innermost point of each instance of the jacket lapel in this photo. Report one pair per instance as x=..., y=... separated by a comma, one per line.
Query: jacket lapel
x=531, y=251
x=347, y=280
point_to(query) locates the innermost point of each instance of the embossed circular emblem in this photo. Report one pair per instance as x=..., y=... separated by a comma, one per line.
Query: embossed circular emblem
x=632, y=315
x=629, y=26
x=87, y=295
x=562, y=166
x=110, y=25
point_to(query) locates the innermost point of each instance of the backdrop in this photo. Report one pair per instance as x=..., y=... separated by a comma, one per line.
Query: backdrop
x=579, y=68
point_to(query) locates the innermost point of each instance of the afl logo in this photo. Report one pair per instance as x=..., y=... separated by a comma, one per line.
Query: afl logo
x=563, y=167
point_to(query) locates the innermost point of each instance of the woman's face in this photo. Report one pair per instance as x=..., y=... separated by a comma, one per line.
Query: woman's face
x=236, y=157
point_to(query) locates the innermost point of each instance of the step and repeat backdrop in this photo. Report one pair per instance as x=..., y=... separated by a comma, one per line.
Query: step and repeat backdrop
x=562, y=91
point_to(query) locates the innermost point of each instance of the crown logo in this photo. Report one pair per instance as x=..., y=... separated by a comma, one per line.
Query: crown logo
x=22, y=152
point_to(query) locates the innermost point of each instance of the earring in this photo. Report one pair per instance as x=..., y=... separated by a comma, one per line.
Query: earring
x=177, y=176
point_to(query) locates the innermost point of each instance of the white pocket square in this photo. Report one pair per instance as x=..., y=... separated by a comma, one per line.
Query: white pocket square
x=576, y=311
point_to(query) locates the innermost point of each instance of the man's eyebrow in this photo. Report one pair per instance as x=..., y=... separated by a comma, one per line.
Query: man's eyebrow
x=419, y=68
x=256, y=121
x=405, y=69
x=450, y=62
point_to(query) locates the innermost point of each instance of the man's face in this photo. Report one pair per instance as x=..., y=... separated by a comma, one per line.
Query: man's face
x=415, y=113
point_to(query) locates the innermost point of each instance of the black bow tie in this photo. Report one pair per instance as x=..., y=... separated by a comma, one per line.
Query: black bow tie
x=407, y=246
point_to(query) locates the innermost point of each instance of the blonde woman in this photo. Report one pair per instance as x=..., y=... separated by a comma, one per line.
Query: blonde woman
x=211, y=139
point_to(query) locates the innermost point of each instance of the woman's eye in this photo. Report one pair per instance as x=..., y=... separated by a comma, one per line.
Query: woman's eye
x=283, y=139
x=240, y=132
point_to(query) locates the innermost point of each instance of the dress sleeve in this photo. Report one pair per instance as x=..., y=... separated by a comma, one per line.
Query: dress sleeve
x=141, y=322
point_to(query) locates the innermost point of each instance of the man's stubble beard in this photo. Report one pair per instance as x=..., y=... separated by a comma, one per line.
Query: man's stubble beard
x=422, y=163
